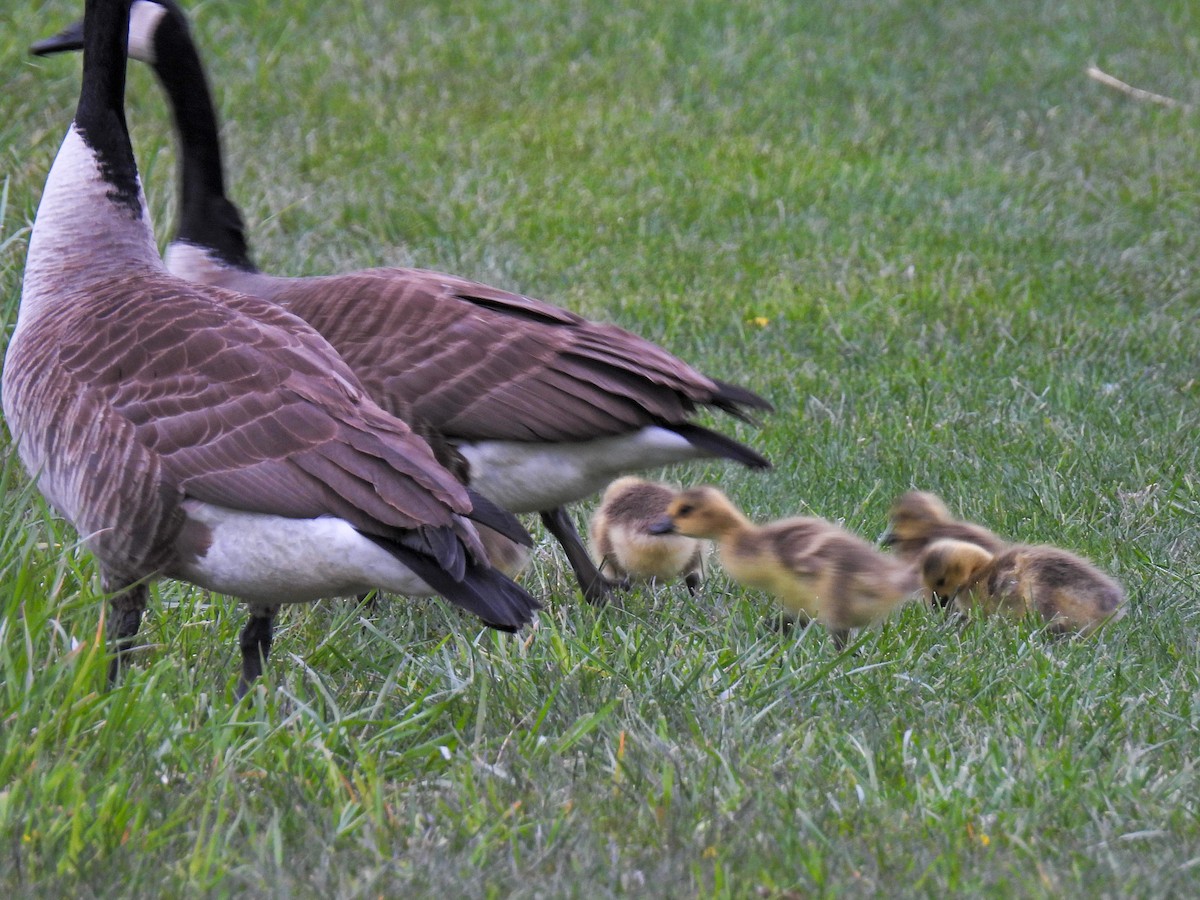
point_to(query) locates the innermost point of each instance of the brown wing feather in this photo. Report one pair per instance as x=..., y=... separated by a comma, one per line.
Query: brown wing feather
x=479, y=363
x=246, y=407
x=77, y=448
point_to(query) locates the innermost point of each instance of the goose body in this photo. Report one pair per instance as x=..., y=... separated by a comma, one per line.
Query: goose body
x=1066, y=591
x=545, y=406
x=627, y=548
x=196, y=433
x=814, y=568
x=918, y=518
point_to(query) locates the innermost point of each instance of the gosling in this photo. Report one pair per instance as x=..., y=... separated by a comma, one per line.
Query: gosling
x=505, y=554
x=815, y=569
x=628, y=550
x=919, y=518
x=1070, y=594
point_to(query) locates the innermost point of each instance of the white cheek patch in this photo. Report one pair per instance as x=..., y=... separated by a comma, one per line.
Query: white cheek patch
x=144, y=17
x=192, y=263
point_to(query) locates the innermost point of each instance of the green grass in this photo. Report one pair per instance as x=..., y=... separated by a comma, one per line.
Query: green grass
x=978, y=274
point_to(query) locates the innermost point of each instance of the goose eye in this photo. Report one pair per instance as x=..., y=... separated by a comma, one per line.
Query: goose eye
x=686, y=510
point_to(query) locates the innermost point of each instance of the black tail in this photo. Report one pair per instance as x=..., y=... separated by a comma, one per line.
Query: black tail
x=717, y=444
x=485, y=512
x=737, y=401
x=500, y=602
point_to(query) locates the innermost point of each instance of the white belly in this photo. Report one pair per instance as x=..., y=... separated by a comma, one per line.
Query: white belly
x=271, y=560
x=533, y=477
x=645, y=556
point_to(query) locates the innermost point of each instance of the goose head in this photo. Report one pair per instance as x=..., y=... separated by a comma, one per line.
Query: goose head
x=147, y=19
x=913, y=516
x=211, y=234
x=701, y=512
x=949, y=566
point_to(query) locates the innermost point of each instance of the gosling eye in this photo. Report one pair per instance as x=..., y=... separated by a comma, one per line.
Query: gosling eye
x=686, y=510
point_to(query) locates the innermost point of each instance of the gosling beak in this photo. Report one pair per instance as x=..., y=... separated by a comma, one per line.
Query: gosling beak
x=944, y=600
x=887, y=538
x=662, y=526
x=70, y=38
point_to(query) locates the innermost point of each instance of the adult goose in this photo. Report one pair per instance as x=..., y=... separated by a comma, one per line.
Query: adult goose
x=545, y=406
x=195, y=433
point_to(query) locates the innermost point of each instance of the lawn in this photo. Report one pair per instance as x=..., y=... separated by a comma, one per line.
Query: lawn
x=950, y=259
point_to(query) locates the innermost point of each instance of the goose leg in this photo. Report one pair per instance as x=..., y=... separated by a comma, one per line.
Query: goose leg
x=124, y=619
x=255, y=642
x=596, y=588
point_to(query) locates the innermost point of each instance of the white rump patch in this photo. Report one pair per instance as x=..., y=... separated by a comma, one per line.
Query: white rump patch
x=271, y=560
x=532, y=477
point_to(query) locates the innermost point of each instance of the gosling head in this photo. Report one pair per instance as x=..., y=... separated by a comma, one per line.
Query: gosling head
x=701, y=512
x=913, y=515
x=949, y=566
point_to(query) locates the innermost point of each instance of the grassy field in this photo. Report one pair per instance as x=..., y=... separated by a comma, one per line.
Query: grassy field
x=949, y=258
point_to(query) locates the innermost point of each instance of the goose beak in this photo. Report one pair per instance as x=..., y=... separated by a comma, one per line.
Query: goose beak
x=70, y=38
x=662, y=526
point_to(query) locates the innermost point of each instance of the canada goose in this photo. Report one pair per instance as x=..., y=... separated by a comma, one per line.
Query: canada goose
x=918, y=518
x=546, y=406
x=816, y=569
x=1069, y=593
x=622, y=540
x=507, y=555
x=199, y=434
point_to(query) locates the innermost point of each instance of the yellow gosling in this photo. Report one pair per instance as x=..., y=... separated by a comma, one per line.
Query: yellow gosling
x=918, y=518
x=814, y=568
x=1070, y=594
x=505, y=554
x=625, y=546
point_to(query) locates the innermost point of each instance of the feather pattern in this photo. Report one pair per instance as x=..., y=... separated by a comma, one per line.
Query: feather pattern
x=249, y=413
x=498, y=375
x=479, y=363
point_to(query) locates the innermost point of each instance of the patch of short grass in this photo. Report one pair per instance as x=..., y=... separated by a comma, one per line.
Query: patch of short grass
x=949, y=259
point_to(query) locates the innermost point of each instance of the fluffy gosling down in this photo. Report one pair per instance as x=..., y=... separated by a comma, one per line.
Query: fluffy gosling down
x=815, y=569
x=919, y=518
x=626, y=547
x=1070, y=594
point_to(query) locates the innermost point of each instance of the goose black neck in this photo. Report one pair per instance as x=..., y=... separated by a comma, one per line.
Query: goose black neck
x=207, y=217
x=100, y=115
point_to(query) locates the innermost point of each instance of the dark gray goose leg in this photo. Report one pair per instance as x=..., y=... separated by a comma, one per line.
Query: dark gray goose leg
x=255, y=642
x=596, y=588
x=124, y=619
